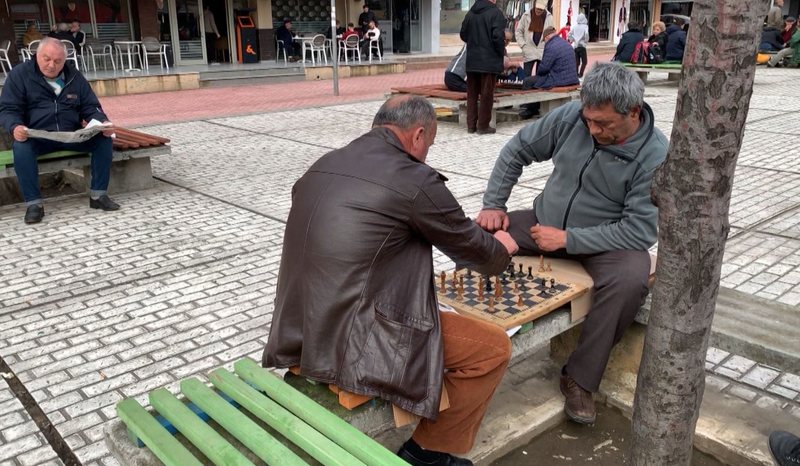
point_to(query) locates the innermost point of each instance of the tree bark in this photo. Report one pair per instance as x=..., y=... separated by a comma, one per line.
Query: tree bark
x=693, y=190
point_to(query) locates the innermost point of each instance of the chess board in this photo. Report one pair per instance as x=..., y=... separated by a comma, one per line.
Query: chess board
x=506, y=310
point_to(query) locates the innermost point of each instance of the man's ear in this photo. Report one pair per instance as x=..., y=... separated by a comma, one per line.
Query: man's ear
x=418, y=136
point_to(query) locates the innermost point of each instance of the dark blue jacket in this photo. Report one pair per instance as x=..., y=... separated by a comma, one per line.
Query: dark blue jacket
x=627, y=44
x=28, y=100
x=557, y=68
x=676, y=42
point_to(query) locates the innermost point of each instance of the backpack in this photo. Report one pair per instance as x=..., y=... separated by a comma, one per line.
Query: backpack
x=655, y=54
x=640, y=54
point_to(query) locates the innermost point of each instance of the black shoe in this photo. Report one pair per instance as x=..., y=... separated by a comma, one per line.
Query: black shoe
x=785, y=447
x=488, y=130
x=103, y=202
x=470, y=130
x=527, y=114
x=434, y=458
x=34, y=214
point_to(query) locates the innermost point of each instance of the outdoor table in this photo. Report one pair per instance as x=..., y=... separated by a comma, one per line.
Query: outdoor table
x=129, y=44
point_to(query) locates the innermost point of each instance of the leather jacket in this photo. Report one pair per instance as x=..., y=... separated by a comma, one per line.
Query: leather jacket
x=356, y=302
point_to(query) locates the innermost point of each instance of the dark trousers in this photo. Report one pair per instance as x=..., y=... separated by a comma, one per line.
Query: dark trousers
x=580, y=60
x=480, y=98
x=211, y=48
x=454, y=82
x=620, y=287
x=528, y=65
x=27, y=167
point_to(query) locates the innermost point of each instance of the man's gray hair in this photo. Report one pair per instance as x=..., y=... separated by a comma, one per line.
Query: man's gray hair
x=405, y=112
x=52, y=41
x=611, y=83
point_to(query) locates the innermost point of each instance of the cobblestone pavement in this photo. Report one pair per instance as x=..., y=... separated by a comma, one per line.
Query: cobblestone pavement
x=98, y=306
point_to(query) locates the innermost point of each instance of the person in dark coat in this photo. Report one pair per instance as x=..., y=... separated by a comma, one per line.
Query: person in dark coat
x=627, y=44
x=771, y=40
x=557, y=69
x=286, y=35
x=483, y=30
x=355, y=303
x=49, y=94
x=676, y=41
x=659, y=36
x=364, y=19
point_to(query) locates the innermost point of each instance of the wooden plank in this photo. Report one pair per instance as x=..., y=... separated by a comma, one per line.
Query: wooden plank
x=208, y=441
x=321, y=448
x=332, y=426
x=166, y=447
x=240, y=426
x=352, y=400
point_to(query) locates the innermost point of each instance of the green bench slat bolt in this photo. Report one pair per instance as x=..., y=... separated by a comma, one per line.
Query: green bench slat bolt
x=276, y=416
x=208, y=441
x=240, y=426
x=166, y=447
x=332, y=426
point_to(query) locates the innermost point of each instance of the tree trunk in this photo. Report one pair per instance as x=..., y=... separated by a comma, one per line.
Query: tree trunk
x=693, y=191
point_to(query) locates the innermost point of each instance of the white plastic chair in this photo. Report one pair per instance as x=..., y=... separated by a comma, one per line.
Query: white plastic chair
x=350, y=44
x=374, y=44
x=152, y=47
x=30, y=51
x=95, y=49
x=5, y=46
x=319, y=46
x=71, y=53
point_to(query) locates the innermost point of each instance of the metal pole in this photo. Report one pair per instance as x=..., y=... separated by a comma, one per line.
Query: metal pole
x=334, y=49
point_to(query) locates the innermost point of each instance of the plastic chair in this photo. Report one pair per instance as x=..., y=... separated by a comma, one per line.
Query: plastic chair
x=319, y=47
x=5, y=46
x=280, y=47
x=30, y=51
x=71, y=53
x=95, y=49
x=152, y=47
x=374, y=44
x=350, y=44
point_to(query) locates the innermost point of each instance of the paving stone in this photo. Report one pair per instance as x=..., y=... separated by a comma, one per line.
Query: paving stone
x=782, y=391
x=790, y=381
x=738, y=364
x=716, y=355
x=744, y=393
x=716, y=383
x=760, y=376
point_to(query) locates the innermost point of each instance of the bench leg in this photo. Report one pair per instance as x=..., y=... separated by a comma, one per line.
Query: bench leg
x=128, y=175
x=462, y=115
x=673, y=77
x=548, y=105
x=642, y=76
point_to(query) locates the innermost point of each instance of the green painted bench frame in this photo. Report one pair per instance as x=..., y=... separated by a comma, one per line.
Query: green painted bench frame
x=313, y=429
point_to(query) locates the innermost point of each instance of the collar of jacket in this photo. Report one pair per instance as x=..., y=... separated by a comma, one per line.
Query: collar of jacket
x=632, y=146
x=390, y=138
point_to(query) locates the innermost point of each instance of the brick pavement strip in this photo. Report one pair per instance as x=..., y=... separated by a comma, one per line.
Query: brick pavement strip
x=19, y=435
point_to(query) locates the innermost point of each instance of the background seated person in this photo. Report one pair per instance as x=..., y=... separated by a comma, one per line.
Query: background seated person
x=77, y=37
x=61, y=32
x=372, y=34
x=31, y=34
x=455, y=76
x=512, y=70
x=363, y=221
x=791, y=52
x=557, y=69
x=627, y=44
x=350, y=31
x=339, y=30
x=789, y=26
x=676, y=41
x=771, y=40
x=292, y=47
x=27, y=102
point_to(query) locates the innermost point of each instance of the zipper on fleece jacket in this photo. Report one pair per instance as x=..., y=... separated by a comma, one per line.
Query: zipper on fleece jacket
x=580, y=184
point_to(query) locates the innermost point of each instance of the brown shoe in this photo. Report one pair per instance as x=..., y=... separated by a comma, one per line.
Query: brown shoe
x=579, y=404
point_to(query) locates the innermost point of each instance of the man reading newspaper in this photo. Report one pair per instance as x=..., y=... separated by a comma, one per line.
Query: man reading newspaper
x=47, y=94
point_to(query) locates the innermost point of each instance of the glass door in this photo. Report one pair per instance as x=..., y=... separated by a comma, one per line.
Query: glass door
x=188, y=42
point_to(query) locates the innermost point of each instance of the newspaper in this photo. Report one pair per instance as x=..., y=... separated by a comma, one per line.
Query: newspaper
x=93, y=128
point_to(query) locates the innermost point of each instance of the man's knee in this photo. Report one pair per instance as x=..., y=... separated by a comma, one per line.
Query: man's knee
x=630, y=280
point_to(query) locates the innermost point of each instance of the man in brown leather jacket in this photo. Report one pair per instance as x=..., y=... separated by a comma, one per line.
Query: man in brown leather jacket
x=356, y=305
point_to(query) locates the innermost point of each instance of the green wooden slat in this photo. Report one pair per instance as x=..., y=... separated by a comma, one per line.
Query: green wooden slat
x=240, y=426
x=166, y=447
x=276, y=416
x=7, y=156
x=353, y=440
x=206, y=439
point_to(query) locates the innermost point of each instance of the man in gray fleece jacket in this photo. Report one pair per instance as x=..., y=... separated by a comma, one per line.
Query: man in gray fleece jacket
x=595, y=208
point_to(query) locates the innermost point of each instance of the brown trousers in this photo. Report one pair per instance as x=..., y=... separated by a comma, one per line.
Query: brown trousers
x=620, y=287
x=476, y=355
x=480, y=98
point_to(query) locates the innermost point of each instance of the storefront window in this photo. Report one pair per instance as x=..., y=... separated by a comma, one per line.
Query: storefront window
x=308, y=16
x=113, y=19
x=452, y=15
x=29, y=16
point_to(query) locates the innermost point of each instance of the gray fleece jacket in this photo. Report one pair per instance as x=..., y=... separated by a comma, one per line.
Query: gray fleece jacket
x=599, y=194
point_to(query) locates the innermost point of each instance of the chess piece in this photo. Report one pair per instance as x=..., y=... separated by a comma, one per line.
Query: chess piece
x=541, y=263
x=552, y=285
x=530, y=272
x=443, y=287
x=520, y=301
x=510, y=269
x=516, y=288
x=469, y=273
x=491, y=304
x=544, y=282
x=461, y=282
x=498, y=288
x=521, y=273
x=488, y=283
x=460, y=294
x=455, y=278
x=549, y=266
x=480, y=288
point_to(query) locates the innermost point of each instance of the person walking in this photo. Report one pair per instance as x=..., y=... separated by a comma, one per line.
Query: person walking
x=578, y=36
x=483, y=30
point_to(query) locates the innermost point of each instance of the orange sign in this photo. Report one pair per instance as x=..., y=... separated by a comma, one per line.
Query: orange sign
x=249, y=50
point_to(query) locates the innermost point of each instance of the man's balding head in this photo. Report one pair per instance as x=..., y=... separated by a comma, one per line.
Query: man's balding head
x=50, y=57
x=413, y=119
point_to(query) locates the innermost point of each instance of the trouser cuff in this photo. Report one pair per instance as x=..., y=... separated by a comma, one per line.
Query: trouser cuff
x=96, y=193
x=34, y=202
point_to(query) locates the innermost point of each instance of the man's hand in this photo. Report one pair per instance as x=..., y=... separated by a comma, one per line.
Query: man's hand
x=218, y=36
x=507, y=241
x=549, y=238
x=109, y=131
x=21, y=133
x=492, y=220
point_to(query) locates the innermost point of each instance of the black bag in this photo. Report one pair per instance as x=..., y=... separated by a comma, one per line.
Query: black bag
x=655, y=54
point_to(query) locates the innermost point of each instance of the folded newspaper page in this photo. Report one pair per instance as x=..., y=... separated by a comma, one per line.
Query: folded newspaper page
x=80, y=135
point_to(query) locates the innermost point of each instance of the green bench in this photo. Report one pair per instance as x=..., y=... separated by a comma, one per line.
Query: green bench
x=673, y=70
x=130, y=169
x=248, y=416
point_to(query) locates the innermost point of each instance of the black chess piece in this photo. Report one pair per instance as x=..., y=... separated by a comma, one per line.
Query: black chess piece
x=503, y=278
x=530, y=273
x=488, y=284
x=552, y=285
x=510, y=269
x=521, y=273
x=469, y=273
